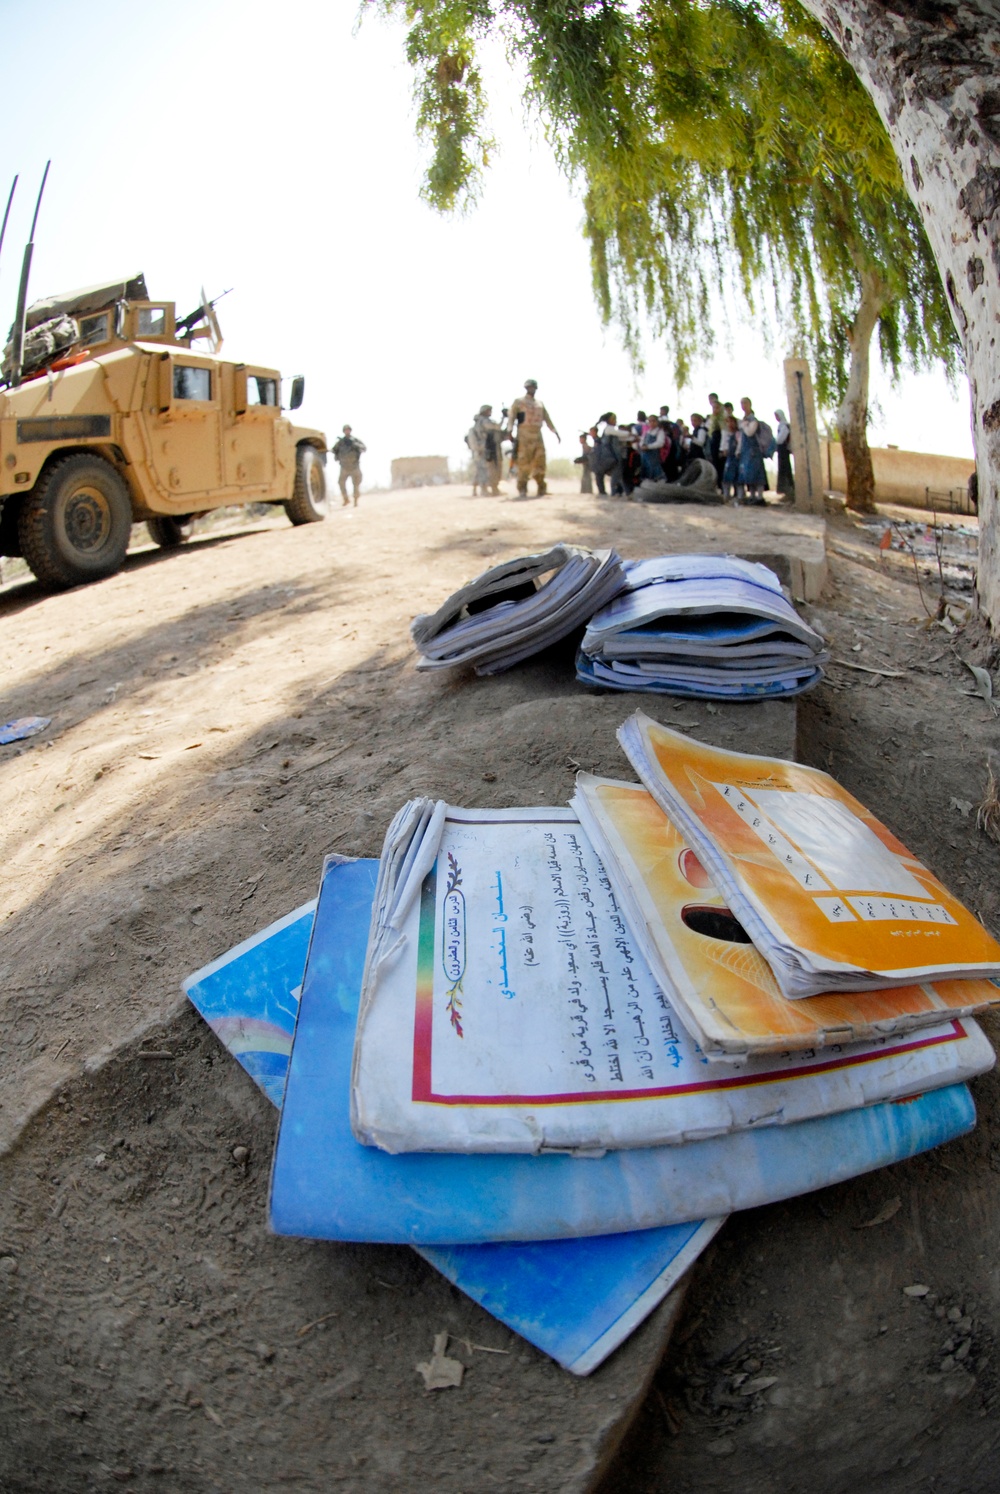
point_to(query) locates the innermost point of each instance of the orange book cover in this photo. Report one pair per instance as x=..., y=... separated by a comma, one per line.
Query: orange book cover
x=825, y=876
x=721, y=984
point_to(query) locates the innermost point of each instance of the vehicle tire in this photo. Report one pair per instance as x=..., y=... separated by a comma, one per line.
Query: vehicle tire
x=308, y=503
x=75, y=525
x=168, y=531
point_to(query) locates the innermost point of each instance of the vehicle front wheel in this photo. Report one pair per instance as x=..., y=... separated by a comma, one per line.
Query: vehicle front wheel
x=168, y=530
x=75, y=524
x=308, y=503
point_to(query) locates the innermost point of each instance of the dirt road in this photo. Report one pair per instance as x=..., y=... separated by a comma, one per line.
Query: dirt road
x=224, y=715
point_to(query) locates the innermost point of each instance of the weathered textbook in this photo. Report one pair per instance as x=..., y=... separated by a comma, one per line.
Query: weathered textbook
x=829, y=896
x=506, y=1006
x=722, y=987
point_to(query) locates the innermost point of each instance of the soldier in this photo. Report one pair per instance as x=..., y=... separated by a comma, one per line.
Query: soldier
x=483, y=440
x=347, y=454
x=528, y=414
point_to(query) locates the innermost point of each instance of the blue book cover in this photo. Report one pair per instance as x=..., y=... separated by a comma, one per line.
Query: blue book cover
x=576, y=1300
x=326, y=1185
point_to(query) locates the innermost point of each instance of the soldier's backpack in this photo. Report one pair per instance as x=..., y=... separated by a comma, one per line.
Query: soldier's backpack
x=765, y=439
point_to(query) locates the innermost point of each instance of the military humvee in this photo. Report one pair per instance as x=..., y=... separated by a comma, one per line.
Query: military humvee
x=115, y=418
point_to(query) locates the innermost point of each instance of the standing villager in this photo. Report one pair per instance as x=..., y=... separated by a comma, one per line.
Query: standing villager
x=728, y=452
x=751, y=479
x=483, y=440
x=651, y=443
x=528, y=415
x=611, y=454
x=670, y=455
x=716, y=426
x=583, y=461
x=697, y=444
x=347, y=454
x=783, y=444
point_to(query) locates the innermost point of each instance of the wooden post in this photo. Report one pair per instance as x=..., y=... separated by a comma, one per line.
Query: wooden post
x=805, y=437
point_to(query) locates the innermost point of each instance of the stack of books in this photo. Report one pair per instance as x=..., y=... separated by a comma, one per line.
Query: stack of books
x=553, y=1047
x=518, y=608
x=711, y=626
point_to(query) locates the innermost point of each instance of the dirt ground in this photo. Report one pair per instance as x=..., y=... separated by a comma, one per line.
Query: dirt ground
x=222, y=717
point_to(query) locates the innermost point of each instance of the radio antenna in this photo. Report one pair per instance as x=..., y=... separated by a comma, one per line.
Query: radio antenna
x=10, y=199
x=17, y=350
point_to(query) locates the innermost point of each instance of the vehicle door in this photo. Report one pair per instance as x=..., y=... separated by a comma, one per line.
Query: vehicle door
x=249, y=421
x=185, y=423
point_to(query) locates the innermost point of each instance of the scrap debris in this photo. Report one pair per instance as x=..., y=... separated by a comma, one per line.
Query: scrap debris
x=23, y=727
x=439, y=1372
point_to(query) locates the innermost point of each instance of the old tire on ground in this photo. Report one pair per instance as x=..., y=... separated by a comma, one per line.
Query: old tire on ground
x=169, y=531
x=308, y=503
x=76, y=523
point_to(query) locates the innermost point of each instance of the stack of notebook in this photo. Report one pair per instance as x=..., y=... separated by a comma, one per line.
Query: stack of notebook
x=518, y=608
x=547, y=1047
x=711, y=626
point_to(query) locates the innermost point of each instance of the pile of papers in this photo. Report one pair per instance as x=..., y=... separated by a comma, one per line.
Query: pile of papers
x=516, y=609
x=544, y=1046
x=701, y=625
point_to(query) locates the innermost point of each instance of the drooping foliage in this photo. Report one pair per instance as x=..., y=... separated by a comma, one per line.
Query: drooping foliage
x=713, y=142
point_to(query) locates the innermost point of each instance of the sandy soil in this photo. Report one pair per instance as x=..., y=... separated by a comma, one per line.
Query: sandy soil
x=874, y=1390
x=222, y=717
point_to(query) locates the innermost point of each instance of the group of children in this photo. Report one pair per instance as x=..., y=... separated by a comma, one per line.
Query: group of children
x=657, y=449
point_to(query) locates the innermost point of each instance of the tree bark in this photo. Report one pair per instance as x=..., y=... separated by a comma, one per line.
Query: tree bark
x=930, y=67
x=852, y=417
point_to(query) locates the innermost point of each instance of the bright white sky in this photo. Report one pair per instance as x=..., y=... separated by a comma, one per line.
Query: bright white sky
x=272, y=149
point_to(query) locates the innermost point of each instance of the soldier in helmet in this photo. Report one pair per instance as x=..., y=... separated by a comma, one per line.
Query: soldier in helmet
x=483, y=440
x=347, y=454
x=528, y=415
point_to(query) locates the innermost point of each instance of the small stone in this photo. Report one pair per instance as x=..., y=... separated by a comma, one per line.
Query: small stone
x=954, y=1314
x=8, y=1265
x=762, y=1382
x=264, y=1353
x=101, y=1161
x=948, y=1347
x=947, y=1363
x=721, y=1447
x=240, y=1154
x=916, y=1290
x=962, y=1352
x=964, y=1325
x=545, y=1437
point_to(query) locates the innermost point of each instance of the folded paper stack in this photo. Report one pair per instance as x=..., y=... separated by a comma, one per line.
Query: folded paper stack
x=711, y=626
x=518, y=608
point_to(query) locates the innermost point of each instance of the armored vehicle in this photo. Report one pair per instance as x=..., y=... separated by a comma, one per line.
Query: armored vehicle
x=109, y=416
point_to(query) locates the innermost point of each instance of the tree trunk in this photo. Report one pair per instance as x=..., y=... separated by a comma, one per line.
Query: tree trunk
x=852, y=417
x=930, y=67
